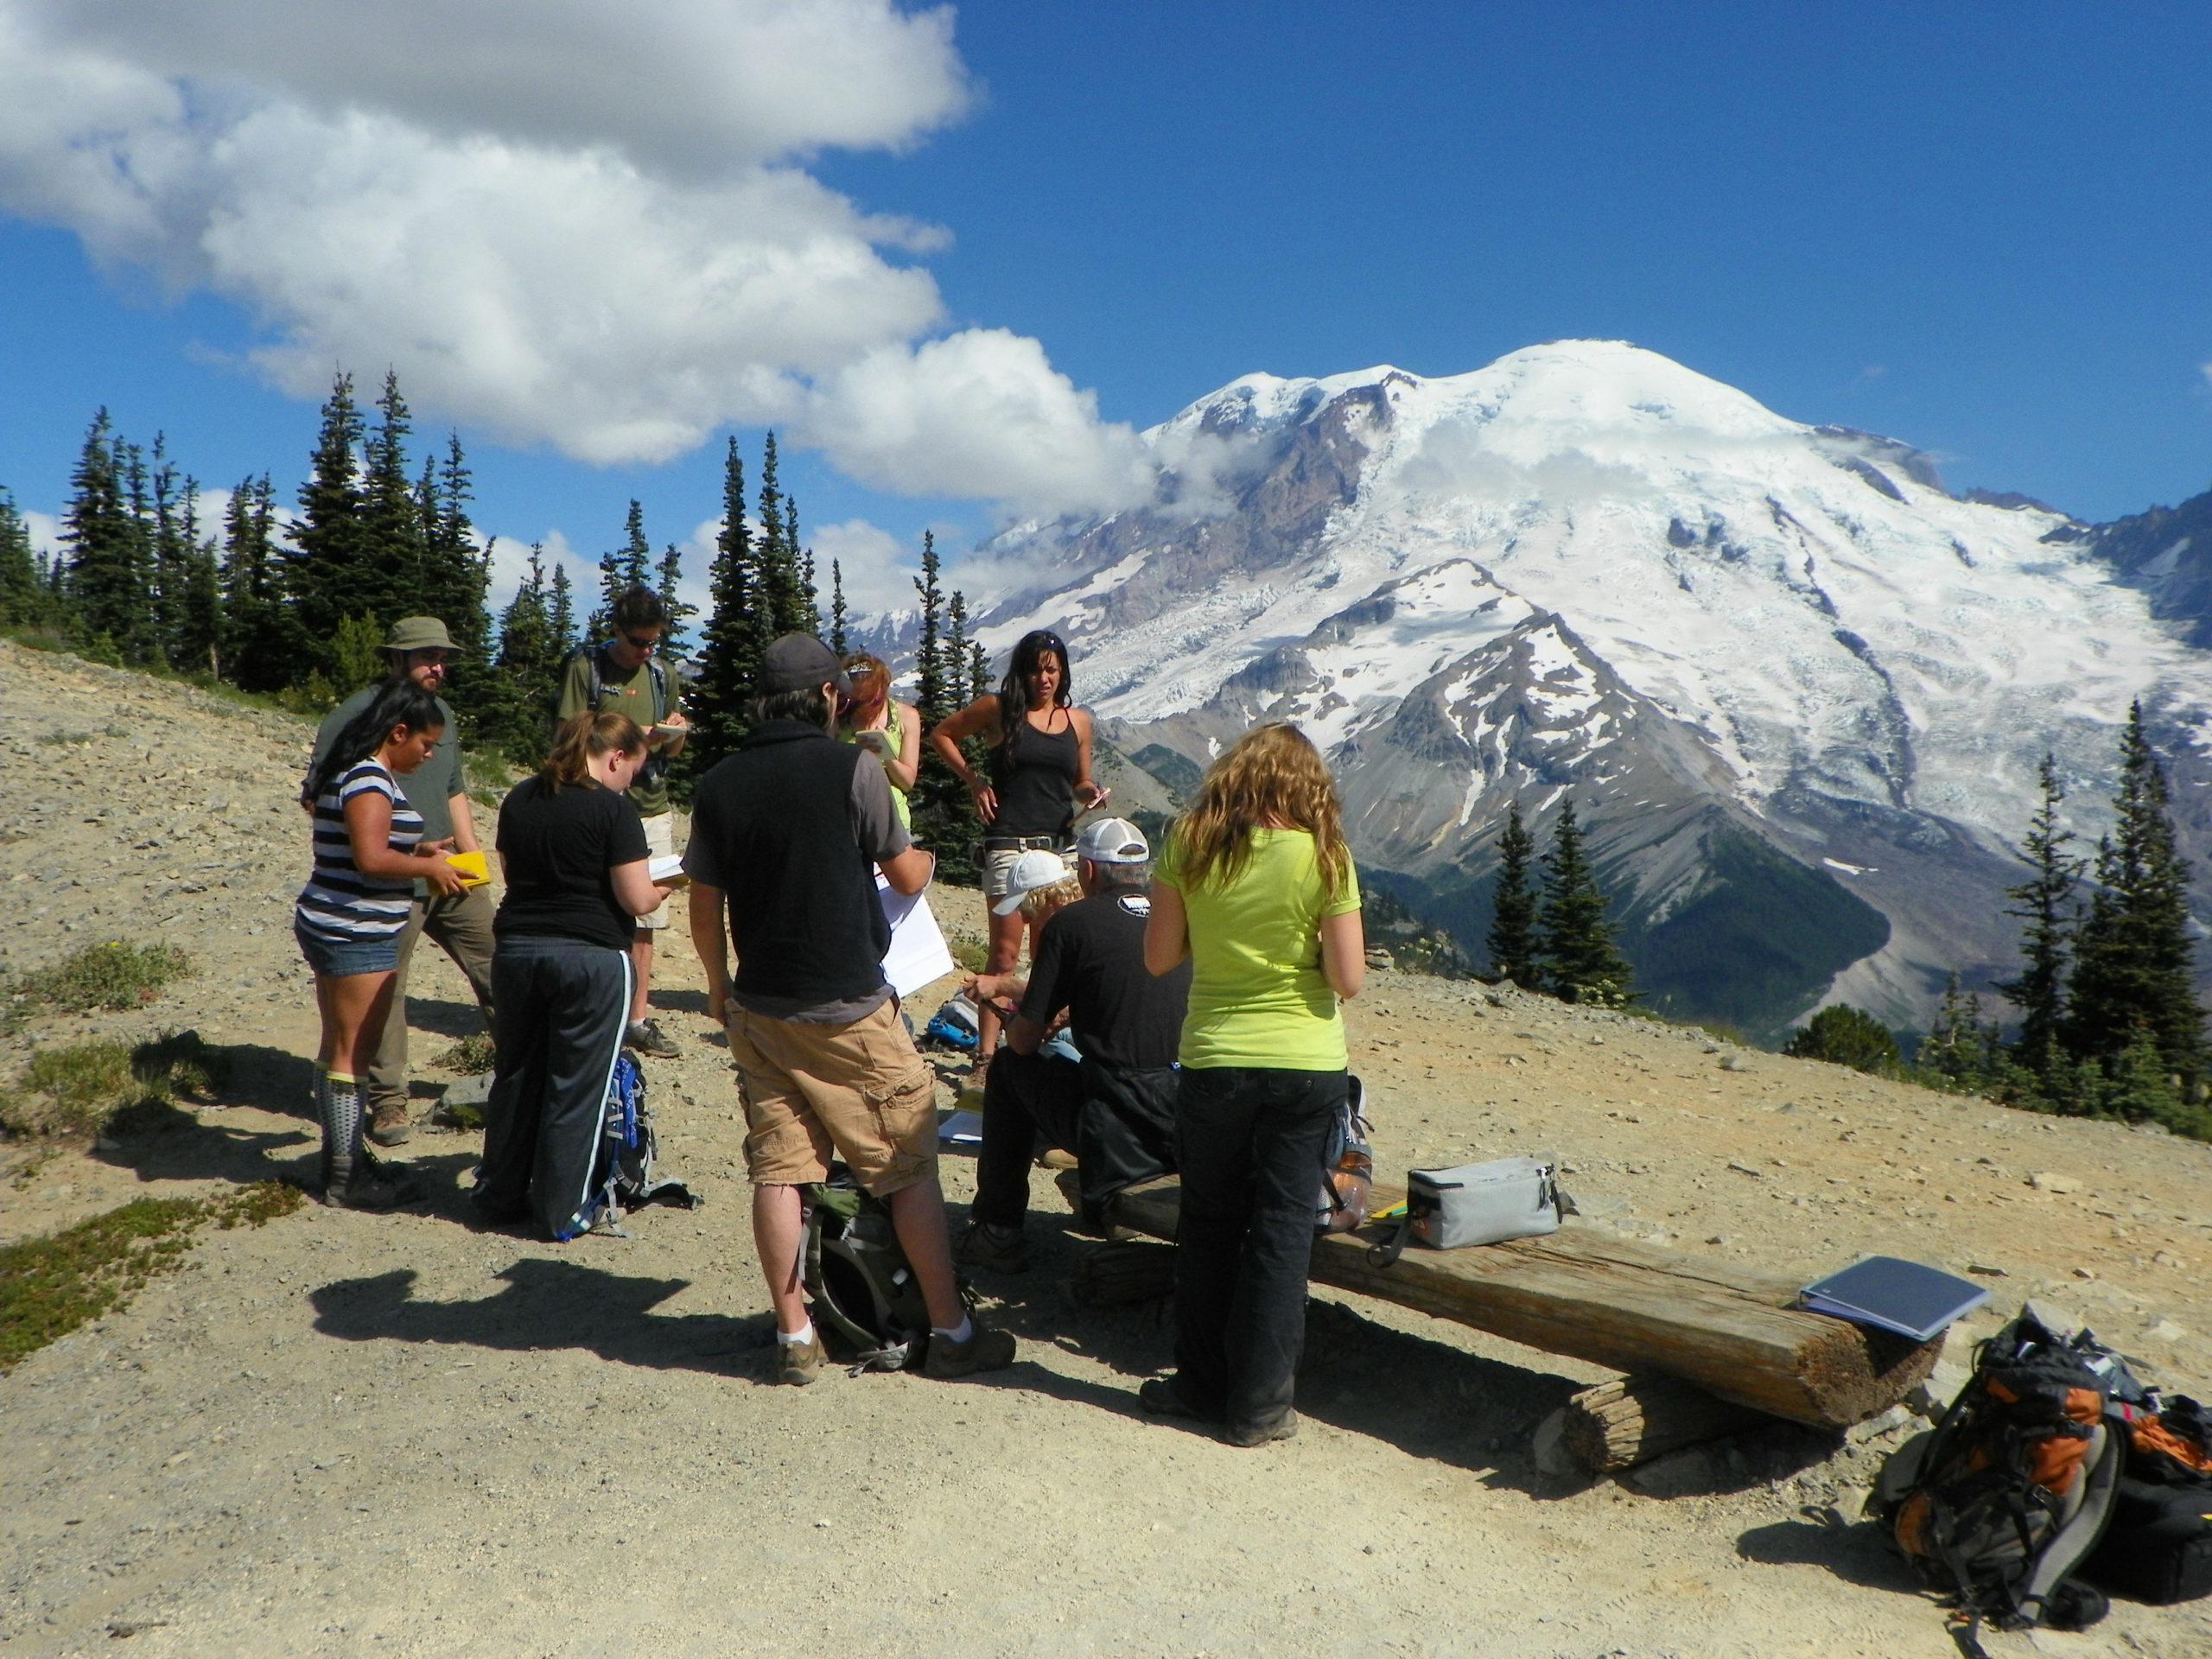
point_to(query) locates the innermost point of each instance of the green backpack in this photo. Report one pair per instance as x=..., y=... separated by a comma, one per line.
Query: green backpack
x=867, y=1302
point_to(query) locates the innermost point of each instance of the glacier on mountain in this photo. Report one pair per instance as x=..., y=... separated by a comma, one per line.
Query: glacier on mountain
x=1586, y=569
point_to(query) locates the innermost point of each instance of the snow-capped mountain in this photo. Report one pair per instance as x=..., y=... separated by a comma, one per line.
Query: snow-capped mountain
x=1790, y=680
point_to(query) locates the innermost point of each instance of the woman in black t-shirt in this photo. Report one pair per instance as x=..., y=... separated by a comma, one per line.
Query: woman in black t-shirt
x=572, y=851
x=1039, y=779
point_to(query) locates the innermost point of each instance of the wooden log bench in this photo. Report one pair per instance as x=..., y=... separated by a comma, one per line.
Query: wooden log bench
x=1732, y=1333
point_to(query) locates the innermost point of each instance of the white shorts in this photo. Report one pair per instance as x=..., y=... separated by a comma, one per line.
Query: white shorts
x=660, y=842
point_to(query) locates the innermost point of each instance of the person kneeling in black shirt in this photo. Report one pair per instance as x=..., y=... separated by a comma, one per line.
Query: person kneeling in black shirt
x=1116, y=1108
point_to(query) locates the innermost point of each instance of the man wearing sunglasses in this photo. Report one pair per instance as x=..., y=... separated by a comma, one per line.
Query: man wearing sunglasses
x=418, y=648
x=624, y=673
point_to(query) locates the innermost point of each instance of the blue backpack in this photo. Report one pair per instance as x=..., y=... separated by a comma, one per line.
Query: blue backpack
x=622, y=1178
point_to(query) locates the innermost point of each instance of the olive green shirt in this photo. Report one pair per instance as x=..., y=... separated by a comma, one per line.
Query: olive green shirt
x=633, y=695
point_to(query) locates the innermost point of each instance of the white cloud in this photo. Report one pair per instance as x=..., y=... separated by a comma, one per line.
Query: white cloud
x=984, y=405
x=591, y=231
x=45, y=532
x=876, y=568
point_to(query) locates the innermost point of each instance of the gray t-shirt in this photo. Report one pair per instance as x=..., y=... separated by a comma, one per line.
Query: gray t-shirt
x=430, y=787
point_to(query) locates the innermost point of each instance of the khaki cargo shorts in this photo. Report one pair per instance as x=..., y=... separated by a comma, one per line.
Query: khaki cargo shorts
x=861, y=1092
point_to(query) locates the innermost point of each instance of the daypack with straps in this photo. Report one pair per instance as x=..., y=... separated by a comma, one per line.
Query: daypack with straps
x=1347, y=1166
x=2158, y=1548
x=594, y=659
x=867, y=1302
x=2003, y=1501
x=622, y=1177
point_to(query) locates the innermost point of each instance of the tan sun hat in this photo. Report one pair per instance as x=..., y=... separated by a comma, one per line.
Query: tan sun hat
x=419, y=634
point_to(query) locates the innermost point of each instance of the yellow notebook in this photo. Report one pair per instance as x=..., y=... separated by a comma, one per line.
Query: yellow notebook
x=472, y=868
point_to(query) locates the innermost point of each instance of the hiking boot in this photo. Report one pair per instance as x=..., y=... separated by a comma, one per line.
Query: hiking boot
x=799, y=1363
x=1158, y=1398
x=388, y=1127
x=986, y=1350
x=648, y=1038
x=1284, y=1427
x=994, y=1249
x=355, y=1185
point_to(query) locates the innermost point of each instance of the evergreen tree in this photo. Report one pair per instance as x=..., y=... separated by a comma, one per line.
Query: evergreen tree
x=21, y=599
x=979, y=672
x=1582, y=963
x=932, y=696
x=197, y=647
x=325, y=570
x=256, y=631
x=455, y=583
x=1512, y=940
x=529, y=663
x=2134, y=961
x=676, y=643
x=106, y=567
x=734, y=634
x=836, y=606
x=1956, y=1051
x=169, y=557
x=808, y=608
x=561, y=614
x=2044, y=902
x=619, y=570
x=394, y=577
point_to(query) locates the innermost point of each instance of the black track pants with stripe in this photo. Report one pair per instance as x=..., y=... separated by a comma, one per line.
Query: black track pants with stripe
x=559, y=1010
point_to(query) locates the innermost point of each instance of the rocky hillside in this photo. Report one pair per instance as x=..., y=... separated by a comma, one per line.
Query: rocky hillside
x=342, y=1433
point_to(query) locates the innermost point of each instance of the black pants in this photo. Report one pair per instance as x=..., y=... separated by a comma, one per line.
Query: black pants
x=1118, y=1120
x=559, y=1009
x=1251, y=1143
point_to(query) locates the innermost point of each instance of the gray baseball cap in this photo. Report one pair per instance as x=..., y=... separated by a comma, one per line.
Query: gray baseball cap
x=799, y=662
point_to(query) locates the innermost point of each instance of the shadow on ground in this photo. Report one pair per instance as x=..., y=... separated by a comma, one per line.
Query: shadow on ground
x=1425, y=1397
x=542, y=1305
x=1855, y=1553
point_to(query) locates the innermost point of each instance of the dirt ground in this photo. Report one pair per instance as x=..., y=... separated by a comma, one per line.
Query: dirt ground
x=345, y=1434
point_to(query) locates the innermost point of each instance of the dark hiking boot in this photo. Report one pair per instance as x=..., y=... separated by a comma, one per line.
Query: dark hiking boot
x=388, y=1126
x=993, y=1249
x=986, y=1350
x=1284, y=1427
x=649, y=1039
x=354, y=1184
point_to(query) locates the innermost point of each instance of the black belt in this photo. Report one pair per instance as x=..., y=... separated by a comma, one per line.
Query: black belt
x=1055, y=843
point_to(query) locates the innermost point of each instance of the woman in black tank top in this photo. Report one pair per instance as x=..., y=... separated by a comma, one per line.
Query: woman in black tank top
x=1039, y=778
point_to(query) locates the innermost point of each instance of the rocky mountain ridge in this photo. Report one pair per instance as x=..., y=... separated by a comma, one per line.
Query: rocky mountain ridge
x=1798, y=690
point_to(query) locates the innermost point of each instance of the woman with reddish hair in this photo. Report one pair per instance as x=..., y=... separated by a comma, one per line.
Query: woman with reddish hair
x=889, y=729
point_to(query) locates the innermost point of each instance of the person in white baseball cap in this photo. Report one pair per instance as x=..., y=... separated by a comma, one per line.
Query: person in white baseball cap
x=1031, y=871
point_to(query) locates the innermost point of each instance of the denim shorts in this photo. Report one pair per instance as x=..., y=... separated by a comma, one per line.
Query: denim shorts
x=336, y=958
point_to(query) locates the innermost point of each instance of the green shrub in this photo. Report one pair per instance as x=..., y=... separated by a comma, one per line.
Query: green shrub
x=79, y=1088
x=49, y=1287
x=111, y=974
x=1847, y=1036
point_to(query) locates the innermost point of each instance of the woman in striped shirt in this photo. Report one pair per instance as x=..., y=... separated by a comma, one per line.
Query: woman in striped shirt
x=369, y=853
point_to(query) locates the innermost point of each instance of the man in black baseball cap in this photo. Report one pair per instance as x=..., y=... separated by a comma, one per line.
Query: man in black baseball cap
x=788, y=834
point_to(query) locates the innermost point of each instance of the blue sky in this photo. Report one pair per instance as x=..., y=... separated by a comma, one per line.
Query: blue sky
x=954, y=258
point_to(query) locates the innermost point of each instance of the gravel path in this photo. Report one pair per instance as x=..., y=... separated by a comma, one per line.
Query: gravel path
x=345, y=1434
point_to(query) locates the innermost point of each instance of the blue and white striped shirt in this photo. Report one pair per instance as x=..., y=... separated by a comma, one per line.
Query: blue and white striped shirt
x=340, y=902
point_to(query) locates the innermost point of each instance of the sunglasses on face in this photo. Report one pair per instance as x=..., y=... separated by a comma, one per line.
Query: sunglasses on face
x=645, y=644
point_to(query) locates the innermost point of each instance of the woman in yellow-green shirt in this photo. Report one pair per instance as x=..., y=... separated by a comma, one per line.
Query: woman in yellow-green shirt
x=1257, y=887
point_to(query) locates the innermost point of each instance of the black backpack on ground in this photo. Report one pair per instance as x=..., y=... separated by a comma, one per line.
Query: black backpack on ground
x=2003, y=1501
x=2158, y=1548
x=867, y=1302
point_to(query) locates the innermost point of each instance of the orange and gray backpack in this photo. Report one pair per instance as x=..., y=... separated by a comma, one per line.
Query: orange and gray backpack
x=2001, y=1503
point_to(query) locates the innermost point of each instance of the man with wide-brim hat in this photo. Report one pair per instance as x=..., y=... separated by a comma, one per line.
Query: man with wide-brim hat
x=419, y=648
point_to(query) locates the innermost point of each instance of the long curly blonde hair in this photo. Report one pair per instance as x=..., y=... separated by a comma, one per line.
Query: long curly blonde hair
x=1272, y=776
